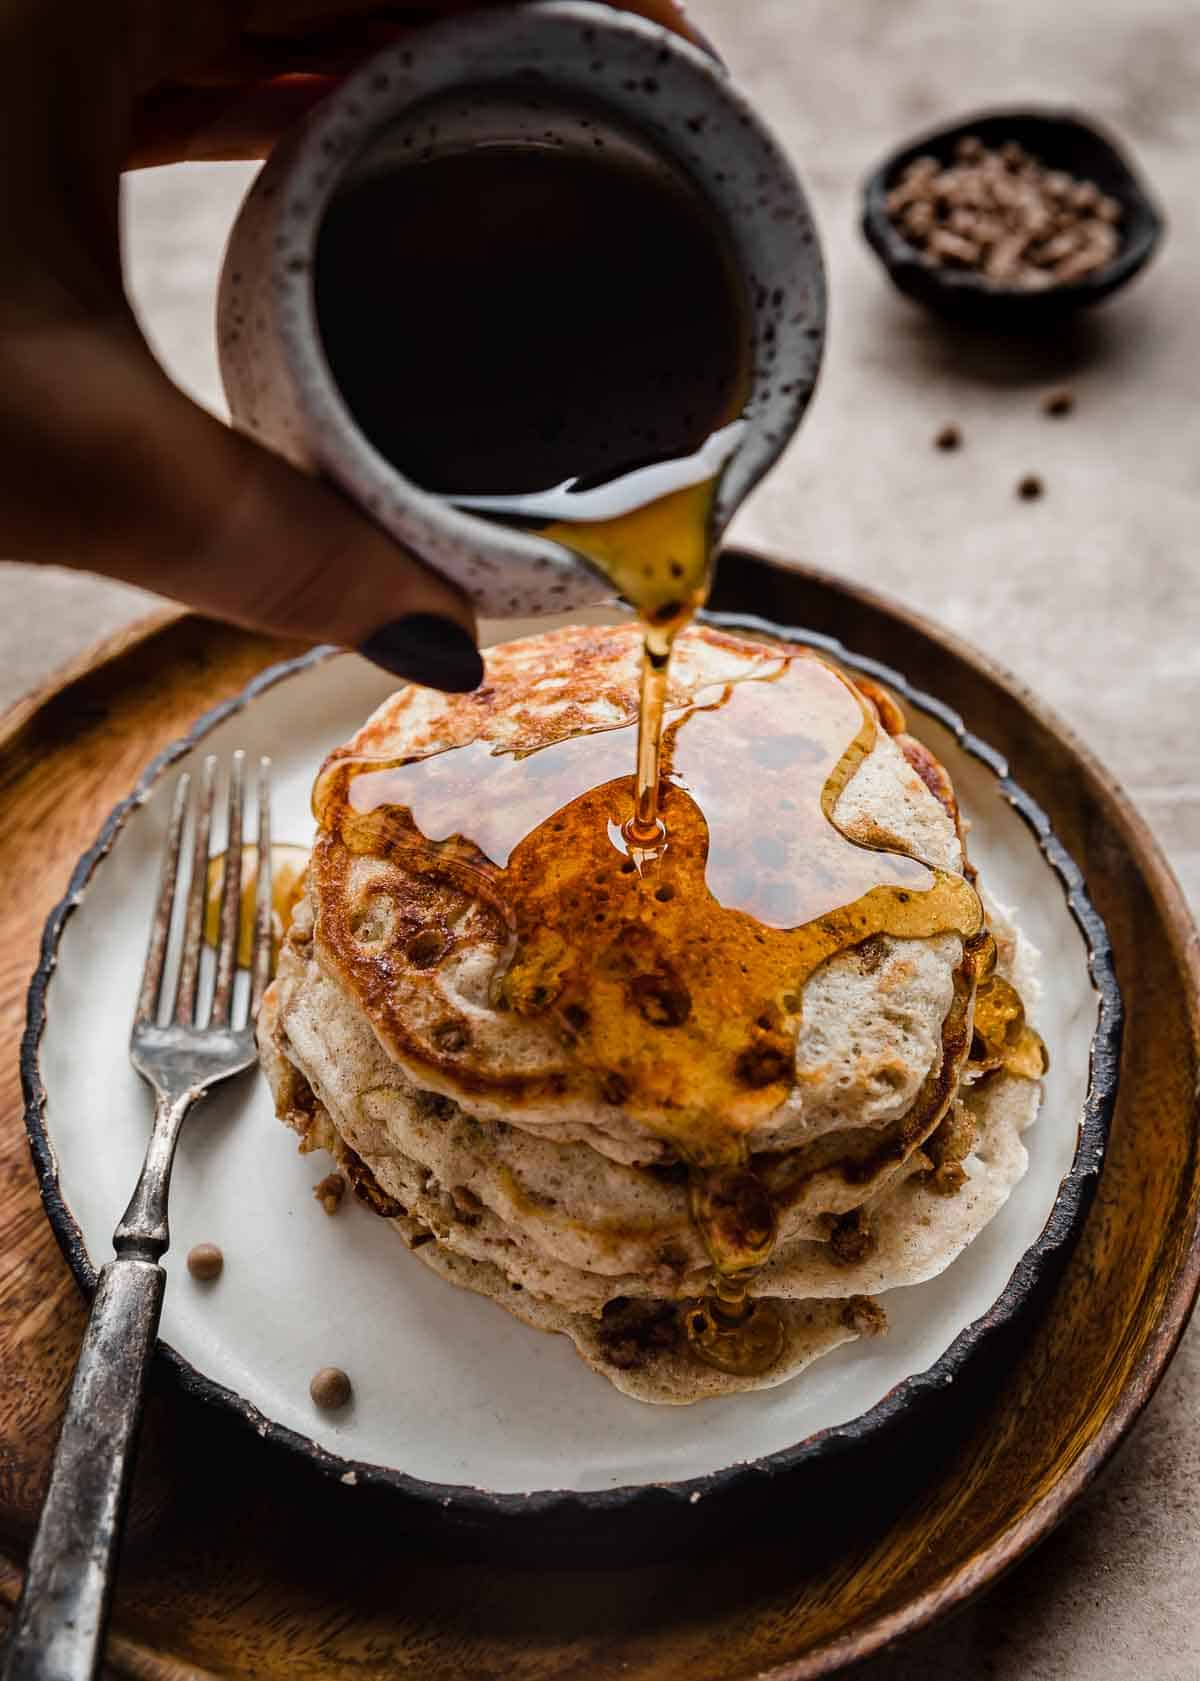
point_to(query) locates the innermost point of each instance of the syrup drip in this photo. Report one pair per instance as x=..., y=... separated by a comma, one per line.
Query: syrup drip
x=288, y=864
x=645, y=830
x=1003, y=1038
x=678, y=971
x=736, y=1220
x=658, y=557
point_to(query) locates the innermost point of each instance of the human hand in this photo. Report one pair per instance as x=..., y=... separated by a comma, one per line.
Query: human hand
x=104, y=464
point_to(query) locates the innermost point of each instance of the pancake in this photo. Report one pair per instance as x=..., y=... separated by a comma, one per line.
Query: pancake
x=469, y=1035
x=382, y=917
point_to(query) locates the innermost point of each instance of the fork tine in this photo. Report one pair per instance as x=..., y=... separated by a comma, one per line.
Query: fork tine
x=160, y=926
x=231, y=898
x=263, y=903
x=193, y=932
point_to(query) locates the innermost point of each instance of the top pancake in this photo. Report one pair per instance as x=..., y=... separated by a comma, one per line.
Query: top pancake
x=482, y=912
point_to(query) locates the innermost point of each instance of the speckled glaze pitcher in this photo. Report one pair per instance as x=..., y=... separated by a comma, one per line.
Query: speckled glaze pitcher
x=509, y=74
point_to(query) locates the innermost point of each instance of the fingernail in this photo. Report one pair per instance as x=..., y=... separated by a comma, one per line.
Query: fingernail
x=428, y=650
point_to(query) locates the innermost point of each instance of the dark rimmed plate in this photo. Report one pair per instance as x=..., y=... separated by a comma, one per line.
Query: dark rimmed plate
x=1019, y=1276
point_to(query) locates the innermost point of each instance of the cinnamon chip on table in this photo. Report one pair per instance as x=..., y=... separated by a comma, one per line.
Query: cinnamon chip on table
x=1058, y=402
x=205, y=1262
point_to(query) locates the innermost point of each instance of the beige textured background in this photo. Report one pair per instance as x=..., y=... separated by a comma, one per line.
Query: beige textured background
x=1089, y=594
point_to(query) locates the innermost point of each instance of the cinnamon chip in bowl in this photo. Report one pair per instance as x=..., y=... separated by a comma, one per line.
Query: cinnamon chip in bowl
x=1011, y=218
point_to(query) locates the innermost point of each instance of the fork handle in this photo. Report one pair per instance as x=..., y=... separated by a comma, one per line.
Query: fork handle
x=59, y=1623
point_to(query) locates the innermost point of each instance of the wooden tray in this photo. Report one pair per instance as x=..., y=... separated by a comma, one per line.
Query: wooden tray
x=241, y=1563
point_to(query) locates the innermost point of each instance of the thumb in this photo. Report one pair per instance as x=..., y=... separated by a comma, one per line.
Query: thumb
x=114, y=470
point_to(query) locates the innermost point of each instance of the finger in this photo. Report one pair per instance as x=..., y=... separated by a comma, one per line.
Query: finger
x=248, y=58
x=216, y=124
x=170, y=41
x=113, y=470
x=294, y=42
x=238, y=102
x=265, y=36
x=671, y=14
x=269, y=16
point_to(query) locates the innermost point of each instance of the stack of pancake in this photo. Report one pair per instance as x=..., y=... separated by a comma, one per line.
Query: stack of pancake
x=516, y=1039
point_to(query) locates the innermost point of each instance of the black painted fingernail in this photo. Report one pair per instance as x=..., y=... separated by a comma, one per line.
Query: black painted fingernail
x=428, y=650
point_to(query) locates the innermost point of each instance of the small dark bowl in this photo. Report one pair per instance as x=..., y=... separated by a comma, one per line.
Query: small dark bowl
x=1060, y=141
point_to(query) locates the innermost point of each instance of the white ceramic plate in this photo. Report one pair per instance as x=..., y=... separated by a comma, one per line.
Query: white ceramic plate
x=448, y=1389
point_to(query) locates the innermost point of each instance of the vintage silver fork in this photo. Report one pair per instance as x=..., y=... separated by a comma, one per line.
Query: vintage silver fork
x=59, y=1624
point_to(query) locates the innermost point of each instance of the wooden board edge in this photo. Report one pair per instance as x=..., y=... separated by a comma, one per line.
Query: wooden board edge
x=130, y=1659
x=125, y=640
